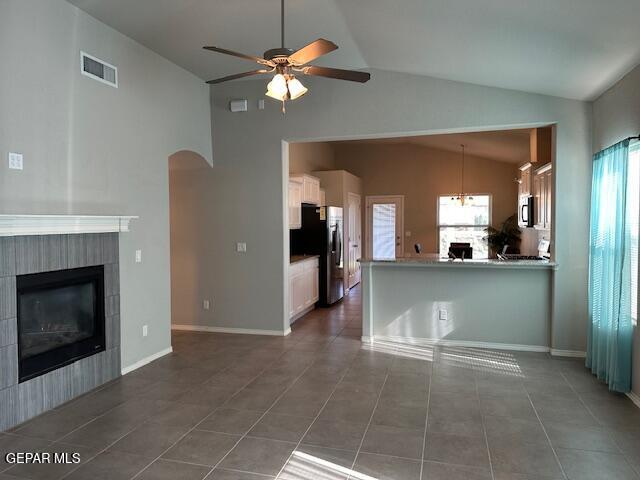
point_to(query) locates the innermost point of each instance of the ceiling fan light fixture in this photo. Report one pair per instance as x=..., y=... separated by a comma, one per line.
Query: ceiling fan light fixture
x=277, y=88
x=296, y=88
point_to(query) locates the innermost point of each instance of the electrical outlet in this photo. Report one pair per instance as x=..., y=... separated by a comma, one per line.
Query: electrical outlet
x=15, y=161
x=241, y=247
x=138, y=256
x=261, y=104
x=145, y=330
x=442, y=315
x=206, y=304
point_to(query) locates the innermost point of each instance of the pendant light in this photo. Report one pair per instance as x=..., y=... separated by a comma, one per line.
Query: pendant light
x=462, y=198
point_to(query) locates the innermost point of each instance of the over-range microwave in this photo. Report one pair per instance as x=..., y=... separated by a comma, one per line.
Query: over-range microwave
x=526, y=217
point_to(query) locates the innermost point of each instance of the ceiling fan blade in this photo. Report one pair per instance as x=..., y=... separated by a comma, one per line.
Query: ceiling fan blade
x=238, y=75
x=351, y=75
x=312, y=51
x=236, y=54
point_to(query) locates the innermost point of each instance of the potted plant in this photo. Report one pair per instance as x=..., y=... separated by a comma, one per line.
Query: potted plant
x=508, y=234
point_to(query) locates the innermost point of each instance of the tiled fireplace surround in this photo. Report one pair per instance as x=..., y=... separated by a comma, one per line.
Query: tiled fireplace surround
x=21, y=255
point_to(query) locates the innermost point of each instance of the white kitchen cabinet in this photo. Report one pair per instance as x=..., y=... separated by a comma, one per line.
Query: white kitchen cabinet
x=524, y=188
x=295, y=205
x=303, y=286
x=543, y=185
x=310, y=188
x=538, y=195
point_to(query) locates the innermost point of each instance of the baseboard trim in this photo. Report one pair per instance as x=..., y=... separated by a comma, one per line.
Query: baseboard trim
x=634, y=398
x=567, y=353
x=301, y=314
x=146, y=360
x=242, y=331
x=457, y=343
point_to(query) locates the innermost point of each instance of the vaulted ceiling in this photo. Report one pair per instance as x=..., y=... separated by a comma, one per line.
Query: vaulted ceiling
x=569, y=48
x=510, y=146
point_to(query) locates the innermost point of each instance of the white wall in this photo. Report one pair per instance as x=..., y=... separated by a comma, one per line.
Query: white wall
x=92, y=149
x=616, y=116
x=250, y=176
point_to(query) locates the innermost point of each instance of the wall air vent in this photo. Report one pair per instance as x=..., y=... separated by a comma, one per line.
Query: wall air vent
x=95, y=68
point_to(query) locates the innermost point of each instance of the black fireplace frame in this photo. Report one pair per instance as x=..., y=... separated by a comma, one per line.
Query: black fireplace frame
x=54, y=359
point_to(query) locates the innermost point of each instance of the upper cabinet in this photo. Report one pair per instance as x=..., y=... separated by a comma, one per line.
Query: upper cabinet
x=295, y=204
x=543, y=194
x=310, y=188
x=525, y=187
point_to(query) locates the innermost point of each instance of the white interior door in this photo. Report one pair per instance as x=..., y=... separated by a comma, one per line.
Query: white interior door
x=385, y=226
x=355, y=237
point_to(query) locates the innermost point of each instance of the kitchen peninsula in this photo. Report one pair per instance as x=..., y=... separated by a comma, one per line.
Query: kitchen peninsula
x=482, y=303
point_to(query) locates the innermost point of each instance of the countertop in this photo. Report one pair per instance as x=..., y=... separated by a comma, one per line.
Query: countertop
x=301, y=258
x=444, y=263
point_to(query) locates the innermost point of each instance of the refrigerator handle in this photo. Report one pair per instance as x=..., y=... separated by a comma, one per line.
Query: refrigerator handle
x=338, y=244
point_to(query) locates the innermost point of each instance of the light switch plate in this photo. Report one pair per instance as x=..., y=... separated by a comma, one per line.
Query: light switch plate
x=206, y=305
x=138, y=256
x=15, y=161
x=145, y=330
x=241, y=247
x=443, y=314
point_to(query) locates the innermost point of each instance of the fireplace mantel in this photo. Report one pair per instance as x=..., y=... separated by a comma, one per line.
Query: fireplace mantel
x=13, y=225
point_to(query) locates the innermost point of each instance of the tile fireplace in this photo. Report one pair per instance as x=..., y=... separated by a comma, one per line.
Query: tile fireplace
x=59, y=320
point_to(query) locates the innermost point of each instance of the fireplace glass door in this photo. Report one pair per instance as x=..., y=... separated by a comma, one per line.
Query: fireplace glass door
x=60, y=318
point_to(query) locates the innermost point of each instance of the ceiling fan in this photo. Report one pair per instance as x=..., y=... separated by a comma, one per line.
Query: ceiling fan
x=285, y=62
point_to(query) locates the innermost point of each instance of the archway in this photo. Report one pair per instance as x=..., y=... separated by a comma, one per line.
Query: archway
x=188, y=178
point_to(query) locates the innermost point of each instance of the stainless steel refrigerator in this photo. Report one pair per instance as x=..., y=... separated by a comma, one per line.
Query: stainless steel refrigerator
x=321, y=234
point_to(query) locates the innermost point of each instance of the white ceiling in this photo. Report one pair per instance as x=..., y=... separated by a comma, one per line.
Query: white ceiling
x=569, y=48
x=510, y=146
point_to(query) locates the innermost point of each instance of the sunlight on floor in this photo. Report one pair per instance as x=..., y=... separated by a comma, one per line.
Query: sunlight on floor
x=302, y=466
x=418, y=352
x=480, y=359
x=491, y=361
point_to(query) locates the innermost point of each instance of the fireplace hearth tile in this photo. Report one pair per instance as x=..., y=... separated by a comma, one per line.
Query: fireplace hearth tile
x=112, y=331
x=7, y=297
x=111, y=279
x=57, y=387
x=112, y=306
x=7, y=256
x=8, y=408
x=45, y=253
x=8, y=332
x=8, y=366
x=110, y=248
x=92, y=249
x=30, y=398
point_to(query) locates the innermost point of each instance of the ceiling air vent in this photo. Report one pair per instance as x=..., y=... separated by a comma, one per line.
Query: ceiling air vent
x=98, y=70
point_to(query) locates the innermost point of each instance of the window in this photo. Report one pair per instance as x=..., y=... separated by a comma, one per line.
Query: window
x=633, y=212
x=464, y=223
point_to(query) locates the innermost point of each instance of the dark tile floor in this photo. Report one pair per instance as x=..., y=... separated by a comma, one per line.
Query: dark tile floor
x=320, y=405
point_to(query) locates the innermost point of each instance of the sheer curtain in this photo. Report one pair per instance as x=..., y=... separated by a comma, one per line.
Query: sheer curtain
x=610, y=328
